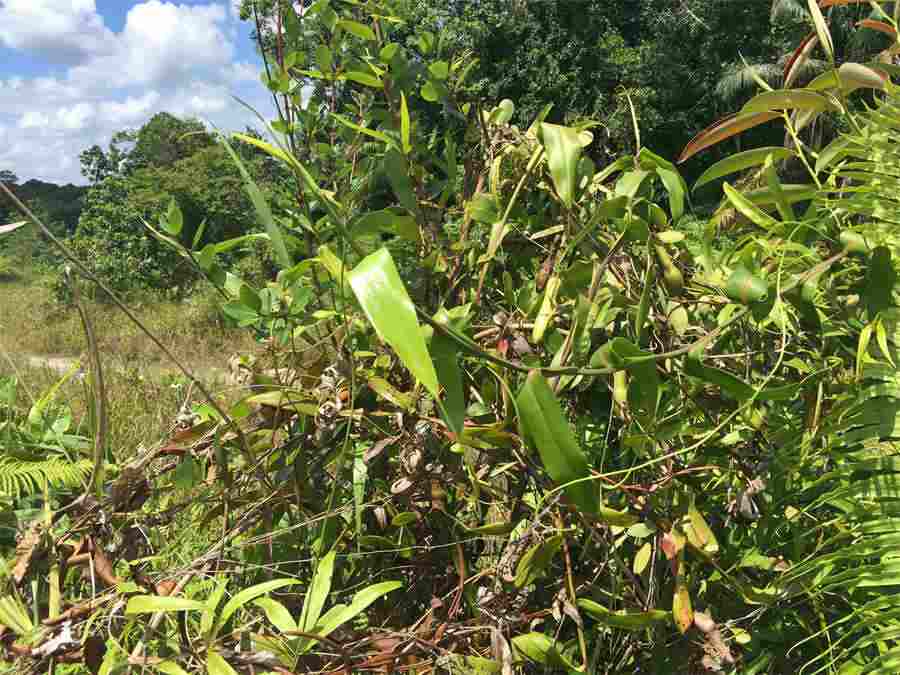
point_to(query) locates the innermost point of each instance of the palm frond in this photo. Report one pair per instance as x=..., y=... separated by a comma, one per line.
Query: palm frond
x=738, y=82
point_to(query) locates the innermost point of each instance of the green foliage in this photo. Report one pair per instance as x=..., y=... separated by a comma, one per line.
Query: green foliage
x=535, y=389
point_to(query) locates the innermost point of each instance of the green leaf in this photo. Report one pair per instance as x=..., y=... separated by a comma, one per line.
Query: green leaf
x=389, y=220
x=440, y=70
x=384, y=299
x=747, y=208
x=821, y=29
x=216, y=665
x=249, y=594
x=536, y=560
x=147, y=604
x=542, y=649
x=366, y=79
x=323, y=58
x=671, y=178
x=741, y=161
x=623, y=619
x=359, y=30
x=445, y=353
x=318, y=592
x=785, y=99
x=395, y=167
x=642, y=559
x=545, y=425
x=404, y=125
x=174, y=219
x=644, y=388
x=276, y=613
x=341, y=614
x=263, y=213
x=880, y=281
x=374, y=133
x=563, y=149
x=169, y=668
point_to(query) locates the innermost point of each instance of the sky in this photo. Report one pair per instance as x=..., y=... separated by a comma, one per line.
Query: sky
x=73, y=72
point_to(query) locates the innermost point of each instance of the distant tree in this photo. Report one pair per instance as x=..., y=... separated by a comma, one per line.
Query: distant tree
x=164, y=140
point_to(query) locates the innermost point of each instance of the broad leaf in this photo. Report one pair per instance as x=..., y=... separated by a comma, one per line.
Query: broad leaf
x=563, y=148
x=623, y=619
x=545, y=425
x=741, y=161
x=146, y=604
x=249, y=594
x=384, y=299
x=318, y=592
x=216, y=665
x=724, y=129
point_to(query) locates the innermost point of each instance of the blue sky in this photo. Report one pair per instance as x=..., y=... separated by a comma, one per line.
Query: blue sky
x=73, y=72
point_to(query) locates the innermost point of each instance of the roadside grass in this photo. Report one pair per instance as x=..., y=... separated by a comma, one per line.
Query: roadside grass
x=145, y=391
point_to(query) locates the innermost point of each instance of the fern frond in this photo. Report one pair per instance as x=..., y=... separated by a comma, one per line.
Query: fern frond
x=20, y=478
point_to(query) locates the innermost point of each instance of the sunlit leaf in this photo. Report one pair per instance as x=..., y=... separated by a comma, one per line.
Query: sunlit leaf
x=724, y=129
x=545, y=425
x=785, y=99
x=623, y=619
x=318, y=592
x=563, y=149
x=216, y=665
x=536, y=560
x=383, y=297
x=821, y=29
x=145, y=604
x=542, y=649
x=740, y=161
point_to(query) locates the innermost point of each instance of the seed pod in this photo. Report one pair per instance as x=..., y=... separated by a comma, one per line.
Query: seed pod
x=854, y=242
x=672, y=276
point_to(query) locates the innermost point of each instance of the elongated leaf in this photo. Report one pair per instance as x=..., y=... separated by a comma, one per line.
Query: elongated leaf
x=785, y=99
x=387, y=220
x=545, y=425
x=395, y=167
x=169, y=668
x=800, y=56
x=341, y=614
x=249, y=594
x=623, y=619
x=358, y=29
x=542, y=649
x=276, y=613
x=643, y=391
x=404, y=125
x=724, y=129
x=12, y=227
x=879, y=26
x=146, y=604
x=741, y=161
x=384, y=299
x=642, y=559
x=698, y=532
x=366, y=79
x=216, y=665
x=318, y=592
x=261, y=206
x=747, y=208
x=536, y=560
x=821, y=29
x=671, y=178
x=682, y=611
x=446, y=363
x=563, y=149
x=374, y=133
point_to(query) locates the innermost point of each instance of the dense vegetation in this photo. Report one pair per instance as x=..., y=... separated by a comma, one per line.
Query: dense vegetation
x=517, y=402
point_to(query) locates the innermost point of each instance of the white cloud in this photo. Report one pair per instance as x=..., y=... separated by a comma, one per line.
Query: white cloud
x=172, y=57
x=33, y=120
x=57, y=30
